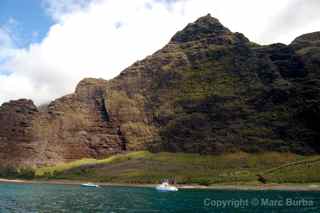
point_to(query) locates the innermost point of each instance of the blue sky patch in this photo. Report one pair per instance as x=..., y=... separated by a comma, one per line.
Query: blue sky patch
x=26, y=21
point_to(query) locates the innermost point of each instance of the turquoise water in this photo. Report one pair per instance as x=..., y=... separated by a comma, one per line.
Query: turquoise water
x=72, y=198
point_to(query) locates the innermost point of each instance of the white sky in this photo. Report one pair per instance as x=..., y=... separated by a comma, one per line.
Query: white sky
x=100, y=38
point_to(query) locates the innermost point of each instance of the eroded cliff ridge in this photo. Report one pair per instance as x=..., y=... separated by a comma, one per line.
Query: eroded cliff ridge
x=208, y=91
x=72, y=127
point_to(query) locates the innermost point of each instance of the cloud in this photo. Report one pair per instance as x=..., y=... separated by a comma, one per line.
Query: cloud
x=100, y=38
x=298, y=17
x=97, y=41
x=5, y=40
x=9, y=42
x=7, y=48
x=58, y=9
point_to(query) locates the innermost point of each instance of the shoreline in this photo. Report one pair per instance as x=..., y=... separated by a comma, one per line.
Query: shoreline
x=223, y=186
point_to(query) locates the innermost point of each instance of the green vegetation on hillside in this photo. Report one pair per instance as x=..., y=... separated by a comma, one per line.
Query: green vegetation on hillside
x=17, y=173
x=145, y=167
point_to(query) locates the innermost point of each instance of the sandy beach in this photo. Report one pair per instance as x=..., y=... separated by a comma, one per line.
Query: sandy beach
x=285, y=187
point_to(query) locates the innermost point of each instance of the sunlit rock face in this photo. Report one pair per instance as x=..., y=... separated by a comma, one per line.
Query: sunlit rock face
x=208, y=91
x=72, y=127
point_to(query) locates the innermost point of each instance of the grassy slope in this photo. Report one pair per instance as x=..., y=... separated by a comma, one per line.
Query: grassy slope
x=145, y=167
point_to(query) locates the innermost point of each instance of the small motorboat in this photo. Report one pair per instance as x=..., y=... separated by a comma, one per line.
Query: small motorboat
x=166, y=187
x=89, y=185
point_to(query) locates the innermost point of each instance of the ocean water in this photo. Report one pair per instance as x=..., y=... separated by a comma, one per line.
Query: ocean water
x=73, y=198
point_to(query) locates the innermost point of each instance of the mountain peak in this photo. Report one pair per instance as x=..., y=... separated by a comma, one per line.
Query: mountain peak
x=208, y=19
x=203, y=27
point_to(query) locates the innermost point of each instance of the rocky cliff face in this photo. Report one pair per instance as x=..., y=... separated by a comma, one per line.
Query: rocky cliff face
x=213, y=91
x=208, y=91
x=72, y=127
x=17, y=141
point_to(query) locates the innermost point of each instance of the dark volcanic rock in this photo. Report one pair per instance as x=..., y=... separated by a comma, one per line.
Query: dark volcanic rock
x=307, y=40
x=212, y=91
x=287, y=61
x=208, y=91
x=204, y=27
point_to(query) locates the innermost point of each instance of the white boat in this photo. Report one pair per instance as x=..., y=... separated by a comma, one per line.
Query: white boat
x=166, y=187
x=89, y=185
